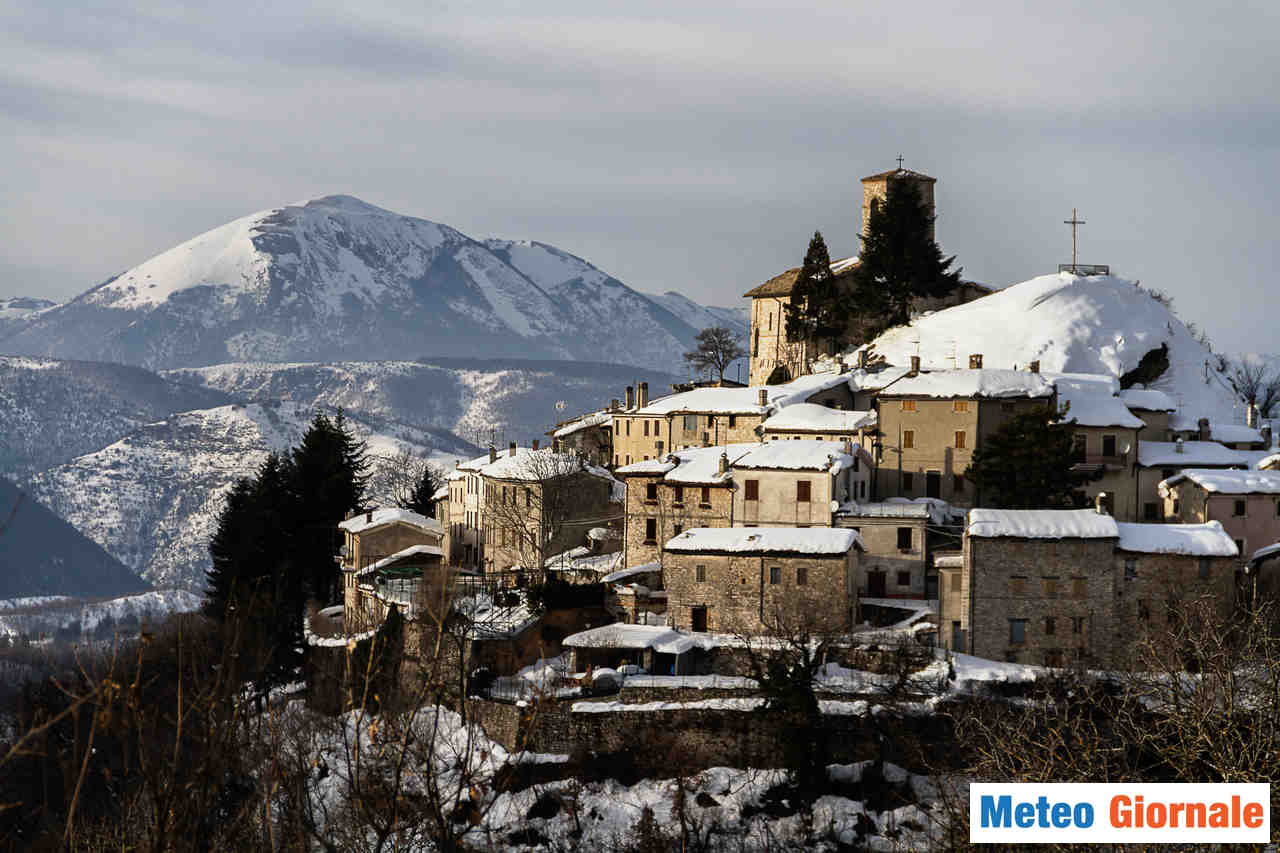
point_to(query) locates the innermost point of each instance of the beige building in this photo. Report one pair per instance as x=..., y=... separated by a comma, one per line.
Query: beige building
x=385, y=557
x=1154, y=408
x=1060, y=587
x=761, y=580
x=514, y=510
x=1105, y=435
x=930, y=424
x=1245, y=503
x=1160, y=460
x=899, y=545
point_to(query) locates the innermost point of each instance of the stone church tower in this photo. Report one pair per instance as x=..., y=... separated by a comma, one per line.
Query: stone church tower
x=769, y=352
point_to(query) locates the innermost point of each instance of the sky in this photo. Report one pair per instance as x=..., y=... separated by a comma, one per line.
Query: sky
x=678, y=146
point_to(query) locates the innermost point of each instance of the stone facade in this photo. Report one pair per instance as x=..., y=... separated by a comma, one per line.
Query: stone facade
x=1150, y=590
x=656, y=511
x=754, y=593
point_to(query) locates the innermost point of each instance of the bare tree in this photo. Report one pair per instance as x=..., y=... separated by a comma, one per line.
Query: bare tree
x=404, y=480
x=717, y=348
x=1256, y=383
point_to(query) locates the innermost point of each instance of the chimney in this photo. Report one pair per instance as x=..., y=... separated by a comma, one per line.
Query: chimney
x=1266, y=436
x=915, y=365
x=724, y=463
x=975, y=361
x=1251, y=416
x=643, y=395
x=1100, y=503
x=1035, y=366
x=511, y=449
x=493, y=454
x=631, y=398
x=1203, y=427
x=613, y=404
x=1177, y=445
x=368, y=517
x=764, y=397
x=535, y=444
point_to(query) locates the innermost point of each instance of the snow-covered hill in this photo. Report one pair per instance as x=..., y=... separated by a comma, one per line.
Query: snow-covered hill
x=49, y=616
x=480, y=400
x=1071, y=324
x=338, y=279
x=151, y=499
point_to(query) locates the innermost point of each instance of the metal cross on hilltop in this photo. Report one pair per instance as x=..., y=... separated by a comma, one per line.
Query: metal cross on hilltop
x=899, y=161
x=1074, y=221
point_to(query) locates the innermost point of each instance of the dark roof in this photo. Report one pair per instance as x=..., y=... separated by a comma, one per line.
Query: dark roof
x=782, y=284
x=900, y=173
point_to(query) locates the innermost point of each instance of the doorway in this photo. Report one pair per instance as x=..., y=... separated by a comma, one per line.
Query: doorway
x=933, y=484
x=698, y=619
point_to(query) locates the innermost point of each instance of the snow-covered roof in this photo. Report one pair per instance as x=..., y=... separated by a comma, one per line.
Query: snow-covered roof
x=531, y=465
x=700, y=466
x=440, y=493
x=1272, y=461
x=1042, y=524
x=1227, y=482
x=744, y=401
x=804, y=454
x=388, y=515
x=811, y=417
x=631, y=571
x=971, y=384
x=766, y=540
x=1234, y=433
x=1158, y=454
x=1086, y=383
x=1148, y=400
x=584, y=560
x=1096, y=410
x=1201, y=540
x=619, y=636
x=949, y=561
x=594, y=419
x=1265, y=553
x=650, y=466
x=893, y=509
x=411, y=551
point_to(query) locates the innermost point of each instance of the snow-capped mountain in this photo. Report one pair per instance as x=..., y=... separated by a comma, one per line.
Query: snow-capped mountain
x=52, y=411
x=338, y=279
x=1070, y=324
x=480, y=400
x=15, y=310
x=152, y=498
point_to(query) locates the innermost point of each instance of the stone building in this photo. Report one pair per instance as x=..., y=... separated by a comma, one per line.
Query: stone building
x=1057, y=587
x=1160, y=460
x=931, y=422
x=775, y=359
x=515, y=510
x=710, y=416
x=1105, y=443
x=761, y=580
x=784, y=483
x=899, y=541
x=1245, y=503
x=590, y=436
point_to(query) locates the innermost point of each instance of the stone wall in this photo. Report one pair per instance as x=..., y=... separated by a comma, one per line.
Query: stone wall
x=673, y=509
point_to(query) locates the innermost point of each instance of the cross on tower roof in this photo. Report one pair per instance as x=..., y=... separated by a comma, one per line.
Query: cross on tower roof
x=899, y=161
x=1074, y=221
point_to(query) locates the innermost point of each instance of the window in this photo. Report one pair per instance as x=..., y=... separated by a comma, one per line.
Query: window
x=862, y=489
x=1078, y=588
x=706, y=496
x=802, y=491
x=1077, y=624
x=1151, y=511
x=960, y=406
x=700, y=574
x=1277, y=509
x=908, y=405
x=957, y=484
x=690, y=423
x=733, y=421
x=1050, y=626
x=904, y=578
x=1108, y=445
x=677, y=495
x=855, y=462
x=651, y=492
x=646, y=428
x=904, y=538
x=650, y=531
x=628, y=427
x=752, y=490
x=1050, y=587
x=775, y=575
x=1238, y=509
x=1177, y=507
x=1017, y=631
x=802, y=575
x=908, y=481
x=960, y=439
x=1240, y=546
x=1130, y=568
x=908, y=439
x=1205, y=565
x=528, y=498
x=677, y=529
x=615, y=460
x=956, y=579
x=770, y=321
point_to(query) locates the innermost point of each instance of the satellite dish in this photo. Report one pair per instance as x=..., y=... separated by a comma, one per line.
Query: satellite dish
x=561, y=405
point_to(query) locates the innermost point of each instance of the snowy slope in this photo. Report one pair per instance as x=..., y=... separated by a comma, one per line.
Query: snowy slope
x=335, y=278
x=508, y=400
x=703, y=316
x=1071, y=324
x=151, y=499
x=103, y=618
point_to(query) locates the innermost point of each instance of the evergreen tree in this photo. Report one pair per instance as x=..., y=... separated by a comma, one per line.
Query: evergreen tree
x=329, y=471
x=233, y=548
x=420, y=498
x=899, y=260
x=1027, y=464
x=815, y=310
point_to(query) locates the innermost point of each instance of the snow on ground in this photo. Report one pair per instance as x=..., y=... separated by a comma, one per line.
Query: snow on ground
x=46, y=615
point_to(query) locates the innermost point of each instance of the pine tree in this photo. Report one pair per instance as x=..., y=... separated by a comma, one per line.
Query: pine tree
x=814, y=309
x=1027, y=464
x=420, y=498
x=899, y=261
x=233, y=548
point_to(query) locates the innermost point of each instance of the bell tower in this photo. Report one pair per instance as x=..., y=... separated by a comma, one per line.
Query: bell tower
x=876, y=187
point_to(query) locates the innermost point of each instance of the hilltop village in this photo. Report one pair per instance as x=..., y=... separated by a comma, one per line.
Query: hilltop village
x=641, y=555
